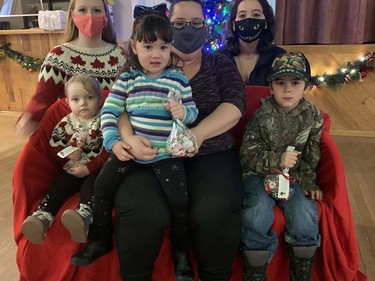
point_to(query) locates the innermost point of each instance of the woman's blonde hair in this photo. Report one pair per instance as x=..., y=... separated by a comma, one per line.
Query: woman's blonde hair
x=90, y=84
x=71, y=30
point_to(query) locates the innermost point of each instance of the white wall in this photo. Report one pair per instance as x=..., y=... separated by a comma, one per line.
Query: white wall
x=123, y=16
x=273, y=4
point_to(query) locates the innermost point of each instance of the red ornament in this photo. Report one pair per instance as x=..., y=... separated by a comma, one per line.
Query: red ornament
x=363, y=74
x=31, y=70
x=372, y=59
x=347, y=78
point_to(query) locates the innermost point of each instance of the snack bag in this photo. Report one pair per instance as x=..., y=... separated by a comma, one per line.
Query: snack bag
x=278, y=185
x=274, y=184
x=181, y=141
x=77, y=140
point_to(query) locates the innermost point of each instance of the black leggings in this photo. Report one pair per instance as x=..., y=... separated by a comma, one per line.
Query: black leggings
x=63, y=187
x=215, y=192
x=171, y=176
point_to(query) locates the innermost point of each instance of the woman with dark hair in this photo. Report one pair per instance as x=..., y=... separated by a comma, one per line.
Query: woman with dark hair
x=249, y=41
x=213, y=176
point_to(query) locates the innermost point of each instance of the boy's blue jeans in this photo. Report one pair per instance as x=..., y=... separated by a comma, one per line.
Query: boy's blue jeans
x=301, y=215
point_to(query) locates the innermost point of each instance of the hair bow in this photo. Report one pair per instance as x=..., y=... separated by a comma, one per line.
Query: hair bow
x=139, y=9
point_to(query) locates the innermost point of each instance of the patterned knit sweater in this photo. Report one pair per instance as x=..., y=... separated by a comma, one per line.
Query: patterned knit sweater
x=86, y=135
x=66, y=60
x=144, y=99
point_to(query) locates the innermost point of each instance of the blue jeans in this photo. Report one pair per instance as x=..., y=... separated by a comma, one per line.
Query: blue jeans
x=301, y=215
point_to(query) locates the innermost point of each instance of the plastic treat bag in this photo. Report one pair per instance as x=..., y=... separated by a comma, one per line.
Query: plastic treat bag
x=77, y=140
x=181, y=141
x=278, y=184
x=273, y=183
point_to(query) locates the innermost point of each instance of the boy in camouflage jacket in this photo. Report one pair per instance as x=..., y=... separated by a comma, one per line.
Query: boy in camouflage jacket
x=285, y=119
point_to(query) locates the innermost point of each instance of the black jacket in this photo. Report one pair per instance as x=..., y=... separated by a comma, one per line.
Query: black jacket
x=263, y=66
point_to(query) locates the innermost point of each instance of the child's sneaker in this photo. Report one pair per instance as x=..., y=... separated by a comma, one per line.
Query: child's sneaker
x=35, y=226
x=77, y=222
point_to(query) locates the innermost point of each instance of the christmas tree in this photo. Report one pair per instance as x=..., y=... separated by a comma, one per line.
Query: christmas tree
x=217, y=14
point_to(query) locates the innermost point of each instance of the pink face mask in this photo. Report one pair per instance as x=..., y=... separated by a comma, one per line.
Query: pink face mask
x=90, y=26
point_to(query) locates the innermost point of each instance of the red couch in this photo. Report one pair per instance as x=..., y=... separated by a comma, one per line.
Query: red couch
x=337, y=258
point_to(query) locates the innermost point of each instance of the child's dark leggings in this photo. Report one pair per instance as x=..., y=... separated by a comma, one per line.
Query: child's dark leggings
x=171, y=176
x=63, y=187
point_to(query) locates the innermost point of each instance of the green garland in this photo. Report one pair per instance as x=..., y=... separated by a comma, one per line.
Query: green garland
x=355, y=70
x=26, y=62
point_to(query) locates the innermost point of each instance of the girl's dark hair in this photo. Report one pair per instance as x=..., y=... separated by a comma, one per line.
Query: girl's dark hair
x=265, y=42
x=174, y=2
x=149, y=27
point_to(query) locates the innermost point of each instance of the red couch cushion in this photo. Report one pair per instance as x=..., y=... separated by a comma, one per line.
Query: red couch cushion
x=337, y=258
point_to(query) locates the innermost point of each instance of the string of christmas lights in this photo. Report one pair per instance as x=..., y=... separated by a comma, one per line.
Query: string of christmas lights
x=352, y=71
x=217, y=14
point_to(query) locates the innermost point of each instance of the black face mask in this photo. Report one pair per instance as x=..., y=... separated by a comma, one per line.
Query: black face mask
x=250, y=29
x=189, y=39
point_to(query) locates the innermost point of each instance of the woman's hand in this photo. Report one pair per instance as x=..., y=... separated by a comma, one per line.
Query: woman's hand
x=141, y=148
x=79, y=170
x=198, y=137
x=25, y=125
x=120, y=150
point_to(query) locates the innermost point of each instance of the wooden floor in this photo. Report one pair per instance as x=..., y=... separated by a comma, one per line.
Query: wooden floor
x=10, y=147
x=358, y=154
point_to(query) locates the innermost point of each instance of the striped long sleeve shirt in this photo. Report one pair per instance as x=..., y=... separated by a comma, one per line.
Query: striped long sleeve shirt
x=144, y=99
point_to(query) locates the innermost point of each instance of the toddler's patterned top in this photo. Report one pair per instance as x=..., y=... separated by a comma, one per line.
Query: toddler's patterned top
x=86, y=135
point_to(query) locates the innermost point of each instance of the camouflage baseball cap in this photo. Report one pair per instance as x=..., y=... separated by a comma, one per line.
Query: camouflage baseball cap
x=294, y=64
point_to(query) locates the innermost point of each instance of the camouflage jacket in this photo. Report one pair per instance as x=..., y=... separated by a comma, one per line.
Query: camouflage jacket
x=271, y=130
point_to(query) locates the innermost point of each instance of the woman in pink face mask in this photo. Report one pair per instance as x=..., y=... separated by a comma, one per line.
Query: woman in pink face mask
x=90, y=48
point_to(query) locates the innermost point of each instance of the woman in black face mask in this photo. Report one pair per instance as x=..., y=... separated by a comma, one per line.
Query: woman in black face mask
x=249, y=40
x=213, y=175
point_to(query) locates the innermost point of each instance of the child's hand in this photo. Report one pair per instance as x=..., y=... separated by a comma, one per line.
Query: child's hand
x=120, y=150
x=315, y=194
x=289, y=158
x=177, y=110
x=75, y=156
x=79, y=170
